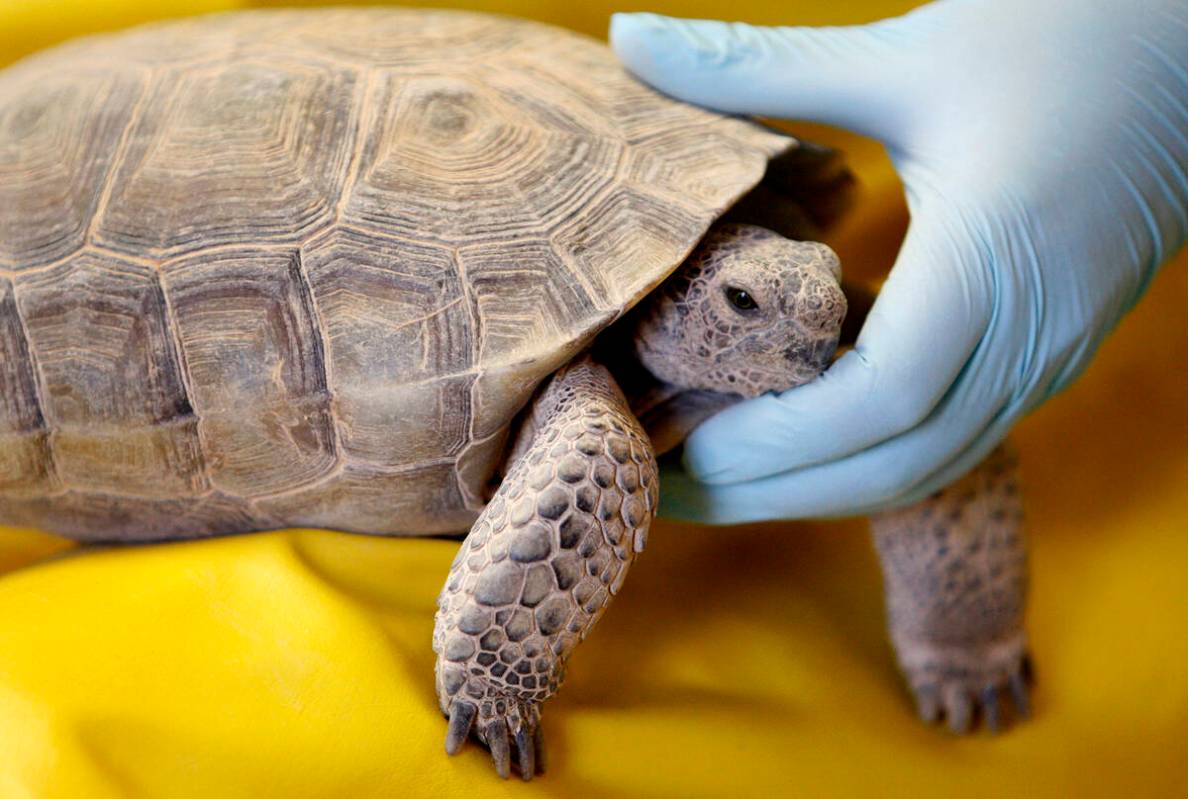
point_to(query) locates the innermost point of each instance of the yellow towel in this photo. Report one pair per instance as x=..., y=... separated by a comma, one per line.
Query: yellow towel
x=737, y=662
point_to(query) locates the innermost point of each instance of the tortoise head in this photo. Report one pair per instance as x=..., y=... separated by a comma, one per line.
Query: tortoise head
x=748, y=312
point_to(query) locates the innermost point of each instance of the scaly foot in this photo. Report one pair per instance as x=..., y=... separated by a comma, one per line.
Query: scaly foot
x=498, y=721
x=542, y=562
x=961, y=683
x=955, y=571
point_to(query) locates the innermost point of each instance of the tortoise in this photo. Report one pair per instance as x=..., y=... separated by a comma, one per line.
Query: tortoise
x=411, y=272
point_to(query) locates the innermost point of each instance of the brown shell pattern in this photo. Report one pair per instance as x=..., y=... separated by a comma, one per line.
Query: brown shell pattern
x=304, y=267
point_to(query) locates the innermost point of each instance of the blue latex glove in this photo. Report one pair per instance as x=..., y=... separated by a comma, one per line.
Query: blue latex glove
x=1043, y=148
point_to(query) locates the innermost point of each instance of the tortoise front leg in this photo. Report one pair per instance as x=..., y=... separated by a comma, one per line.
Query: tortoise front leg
x=955, y=574
x=542, y=562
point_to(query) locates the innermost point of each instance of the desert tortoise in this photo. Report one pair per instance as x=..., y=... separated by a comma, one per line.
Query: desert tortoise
x=316, y=269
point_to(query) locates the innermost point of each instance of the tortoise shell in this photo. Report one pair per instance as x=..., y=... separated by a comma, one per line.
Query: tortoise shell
x=304, y=267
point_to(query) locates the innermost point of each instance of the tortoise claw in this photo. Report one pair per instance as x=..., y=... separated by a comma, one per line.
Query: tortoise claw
x=496, y=735
x=927, y=703
x=538, y=741
x=499, y=725
x=530, y=748
x=961, y=695
x=990, y=709
x=526, y=747
x=1020, y=694
x=462, y=716
x=959, y=710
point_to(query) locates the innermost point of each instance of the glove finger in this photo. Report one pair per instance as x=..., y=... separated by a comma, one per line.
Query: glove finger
x=903, y=470
x=927, y=321
x=848, y=76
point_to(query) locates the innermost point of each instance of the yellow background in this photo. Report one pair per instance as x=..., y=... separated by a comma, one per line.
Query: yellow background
x=737, y=662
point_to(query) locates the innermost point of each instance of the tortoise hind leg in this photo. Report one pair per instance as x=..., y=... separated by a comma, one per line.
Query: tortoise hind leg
x=955, y=574
x=542, y=562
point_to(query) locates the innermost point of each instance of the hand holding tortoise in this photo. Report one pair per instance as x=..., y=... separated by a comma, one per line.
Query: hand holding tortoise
x=1044, y=154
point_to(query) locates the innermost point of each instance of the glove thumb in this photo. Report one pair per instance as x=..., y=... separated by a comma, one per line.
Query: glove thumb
x=852, y=77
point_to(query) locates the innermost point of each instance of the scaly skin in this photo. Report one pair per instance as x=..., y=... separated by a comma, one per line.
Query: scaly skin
x=555, y=543
x=542, y=562
x=689, y=335
x=955, y=574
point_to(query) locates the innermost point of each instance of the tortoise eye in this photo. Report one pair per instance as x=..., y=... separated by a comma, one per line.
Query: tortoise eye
x=741, y=299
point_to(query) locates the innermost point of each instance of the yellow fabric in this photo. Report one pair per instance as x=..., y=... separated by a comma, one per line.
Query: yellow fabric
x=737, y=662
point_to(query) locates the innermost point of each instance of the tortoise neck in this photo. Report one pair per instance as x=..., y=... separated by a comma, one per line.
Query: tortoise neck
x=615, y=348
x=667, y=411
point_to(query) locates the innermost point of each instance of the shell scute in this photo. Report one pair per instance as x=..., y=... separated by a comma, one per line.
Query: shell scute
x=411, y=219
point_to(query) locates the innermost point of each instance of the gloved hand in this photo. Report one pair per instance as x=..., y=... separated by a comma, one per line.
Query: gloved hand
x=1044, y=150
